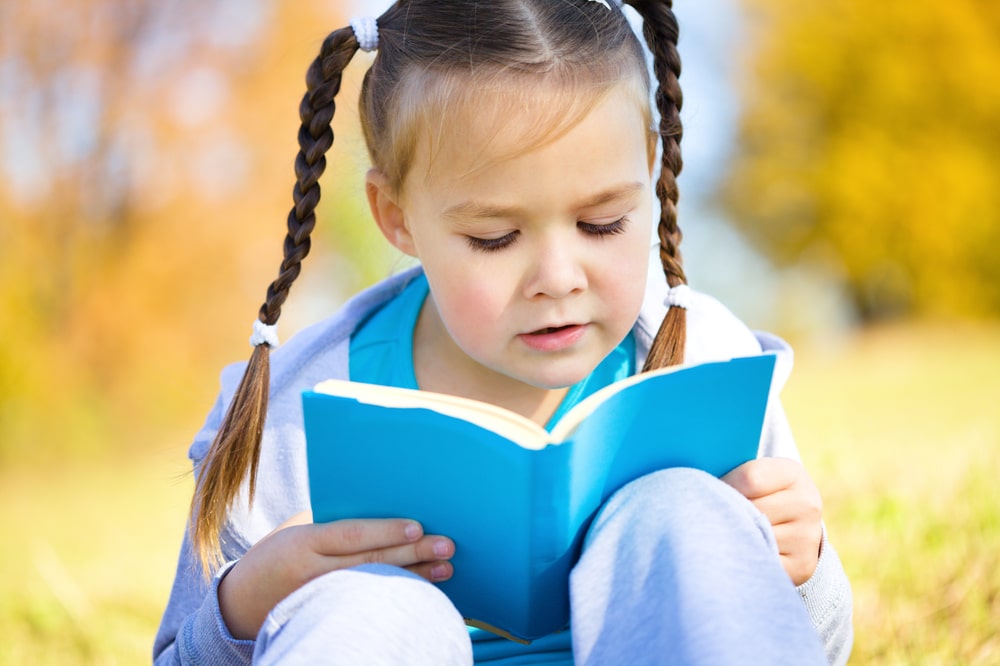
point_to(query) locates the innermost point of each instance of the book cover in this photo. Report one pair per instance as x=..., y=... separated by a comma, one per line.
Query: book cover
x=517, y=500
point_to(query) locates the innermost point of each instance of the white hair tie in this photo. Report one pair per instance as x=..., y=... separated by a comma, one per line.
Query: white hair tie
x=679, y=297
x=264, y=334
x=366, y=32
x=618, y=3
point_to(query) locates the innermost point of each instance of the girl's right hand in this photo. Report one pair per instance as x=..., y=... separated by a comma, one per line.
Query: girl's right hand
x=299, y=551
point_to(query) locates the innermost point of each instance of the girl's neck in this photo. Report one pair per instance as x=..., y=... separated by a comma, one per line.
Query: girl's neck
x=441, y=366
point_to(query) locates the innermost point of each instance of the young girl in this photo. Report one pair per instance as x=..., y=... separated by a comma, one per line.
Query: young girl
x=513, y=153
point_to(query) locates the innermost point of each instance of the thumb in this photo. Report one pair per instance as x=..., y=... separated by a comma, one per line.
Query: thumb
x=301, y=518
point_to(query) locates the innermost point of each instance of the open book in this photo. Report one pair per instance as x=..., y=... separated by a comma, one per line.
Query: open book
x=517, y=500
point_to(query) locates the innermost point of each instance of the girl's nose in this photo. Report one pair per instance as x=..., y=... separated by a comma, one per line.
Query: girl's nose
x=557, y=270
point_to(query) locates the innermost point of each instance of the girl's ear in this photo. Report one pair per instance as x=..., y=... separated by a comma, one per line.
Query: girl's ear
x=384, y=204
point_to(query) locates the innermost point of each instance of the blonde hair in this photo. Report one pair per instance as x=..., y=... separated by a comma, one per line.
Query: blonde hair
x=436, y=60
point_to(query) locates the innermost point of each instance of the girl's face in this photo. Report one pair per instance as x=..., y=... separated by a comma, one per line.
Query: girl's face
x=536, y=263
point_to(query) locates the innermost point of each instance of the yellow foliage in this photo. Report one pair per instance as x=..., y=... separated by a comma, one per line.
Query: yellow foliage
x=870, y=130
x=144, y=187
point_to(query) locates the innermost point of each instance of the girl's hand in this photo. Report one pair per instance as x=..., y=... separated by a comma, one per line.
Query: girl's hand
x=299, y=551
x=783, y=491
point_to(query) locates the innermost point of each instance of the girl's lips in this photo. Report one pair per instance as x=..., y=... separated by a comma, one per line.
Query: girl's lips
x=553, y=339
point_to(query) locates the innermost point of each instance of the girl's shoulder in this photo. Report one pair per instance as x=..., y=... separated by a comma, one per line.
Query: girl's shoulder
x=317, y=352
x=322, y=349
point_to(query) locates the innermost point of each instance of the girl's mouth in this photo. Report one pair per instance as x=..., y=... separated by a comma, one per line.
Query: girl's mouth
x=553, y=338
x=545, y=331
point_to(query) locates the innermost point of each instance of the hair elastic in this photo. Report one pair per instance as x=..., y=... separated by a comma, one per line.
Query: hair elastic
x=618, y=3
x=679, y=297
x=264, y=334
x=366, y=32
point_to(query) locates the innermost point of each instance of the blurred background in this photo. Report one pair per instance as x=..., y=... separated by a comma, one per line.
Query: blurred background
x=840, y=189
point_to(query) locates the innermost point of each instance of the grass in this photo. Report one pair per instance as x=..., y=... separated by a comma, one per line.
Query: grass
x=900, y=428
x=88, y=559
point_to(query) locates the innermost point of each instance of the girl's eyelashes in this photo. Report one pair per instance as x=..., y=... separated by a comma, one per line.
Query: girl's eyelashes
x=610, y=229
x=491, y=244
x=501, y=242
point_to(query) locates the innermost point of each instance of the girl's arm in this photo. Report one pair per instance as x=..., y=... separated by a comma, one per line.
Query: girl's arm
x=300, y=551
x=194, y=630
x=217, y=622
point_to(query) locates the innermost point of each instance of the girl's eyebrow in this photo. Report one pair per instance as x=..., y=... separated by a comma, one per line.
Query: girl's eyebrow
x=482, y=211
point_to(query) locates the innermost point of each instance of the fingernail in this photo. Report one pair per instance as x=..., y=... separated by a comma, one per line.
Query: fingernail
x=412, y=531
x=439, y=572
x=441, y=548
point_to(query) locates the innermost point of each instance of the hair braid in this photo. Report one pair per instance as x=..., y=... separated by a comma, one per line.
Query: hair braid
x=661, y=32
x=235, y=452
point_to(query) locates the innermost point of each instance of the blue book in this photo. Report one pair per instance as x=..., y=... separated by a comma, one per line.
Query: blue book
x=517, y=500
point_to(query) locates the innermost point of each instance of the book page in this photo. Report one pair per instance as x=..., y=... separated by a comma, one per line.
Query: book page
x=502, y=421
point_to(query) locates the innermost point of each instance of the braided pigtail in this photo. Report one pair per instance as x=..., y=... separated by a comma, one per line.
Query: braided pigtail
x=235, y=451
x=661, y=32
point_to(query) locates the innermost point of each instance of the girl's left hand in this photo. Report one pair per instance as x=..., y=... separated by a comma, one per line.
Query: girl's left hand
x=783, y=491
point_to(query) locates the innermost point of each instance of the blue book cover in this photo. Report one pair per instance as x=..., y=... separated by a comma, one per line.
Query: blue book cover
x=517, y=500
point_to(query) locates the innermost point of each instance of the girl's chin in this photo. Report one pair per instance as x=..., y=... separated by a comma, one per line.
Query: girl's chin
x=554, y=381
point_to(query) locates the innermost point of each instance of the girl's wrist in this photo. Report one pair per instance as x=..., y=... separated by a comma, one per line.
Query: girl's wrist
x=233, y=609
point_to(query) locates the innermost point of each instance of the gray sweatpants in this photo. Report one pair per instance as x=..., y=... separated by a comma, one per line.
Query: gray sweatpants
x=677, y=568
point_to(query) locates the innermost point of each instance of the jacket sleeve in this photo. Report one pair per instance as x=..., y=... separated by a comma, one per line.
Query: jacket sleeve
x=827, y=596
x=192, y=630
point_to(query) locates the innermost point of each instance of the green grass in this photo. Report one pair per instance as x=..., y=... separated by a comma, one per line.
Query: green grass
x=88, y=559
x=900, y=428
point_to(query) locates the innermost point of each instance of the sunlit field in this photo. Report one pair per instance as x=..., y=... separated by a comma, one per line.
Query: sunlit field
x=902, y=432
x=900, y=427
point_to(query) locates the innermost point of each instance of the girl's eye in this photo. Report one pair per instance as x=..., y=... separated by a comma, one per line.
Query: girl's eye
x=491, y=244
x=616, y=227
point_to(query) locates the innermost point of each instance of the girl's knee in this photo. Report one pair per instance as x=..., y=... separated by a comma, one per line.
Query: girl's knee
x=373, y=609
x=669, y=486
x=675, y=499
x=365, y=589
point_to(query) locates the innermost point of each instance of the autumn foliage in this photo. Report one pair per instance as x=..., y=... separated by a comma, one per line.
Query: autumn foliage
x=146, y=170
x=870, y=145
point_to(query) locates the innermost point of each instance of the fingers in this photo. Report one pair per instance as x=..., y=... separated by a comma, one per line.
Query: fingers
x=800, y=502
x=301, y=518
x=764, y=476
x=799, y=545
x=428, y=557
x=781, y=489
x=435, y=572
x=794, y=539
x=300, y=551
x=798, y=569
x=399, y=542
x=427, y=550
x=349, y=537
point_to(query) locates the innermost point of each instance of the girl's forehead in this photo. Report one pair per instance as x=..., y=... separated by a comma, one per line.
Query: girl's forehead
x=499, y=125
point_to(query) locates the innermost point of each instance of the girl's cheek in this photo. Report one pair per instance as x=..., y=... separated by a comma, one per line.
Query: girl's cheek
x=471, y=307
